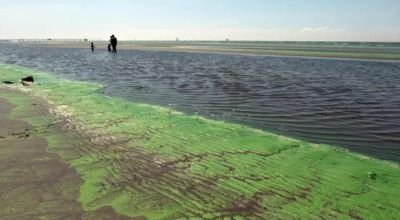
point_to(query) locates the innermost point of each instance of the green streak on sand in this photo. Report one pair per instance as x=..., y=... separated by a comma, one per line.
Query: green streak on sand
x=151, y=161
x=36, y=183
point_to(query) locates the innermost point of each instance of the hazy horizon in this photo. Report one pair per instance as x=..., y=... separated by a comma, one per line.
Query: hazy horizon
x=203, y=20
x=161, y=40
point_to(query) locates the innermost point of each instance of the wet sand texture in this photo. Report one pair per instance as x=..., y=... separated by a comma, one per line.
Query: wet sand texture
x=354, y=50
x=345, y=103
x=35, y=183
x=145, y=160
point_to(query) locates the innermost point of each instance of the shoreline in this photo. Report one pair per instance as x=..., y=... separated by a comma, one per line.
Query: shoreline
x=175, y=165
x=294, y=52
x=265, y=55
x=47, y=179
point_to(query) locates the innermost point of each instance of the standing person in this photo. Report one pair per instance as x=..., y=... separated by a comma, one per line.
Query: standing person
x=92, y=46
x=113, y=42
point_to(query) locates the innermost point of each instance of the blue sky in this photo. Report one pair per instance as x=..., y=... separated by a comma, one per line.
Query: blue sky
x=351, y=20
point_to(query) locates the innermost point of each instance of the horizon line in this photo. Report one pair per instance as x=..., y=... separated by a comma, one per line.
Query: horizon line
x=188, y=40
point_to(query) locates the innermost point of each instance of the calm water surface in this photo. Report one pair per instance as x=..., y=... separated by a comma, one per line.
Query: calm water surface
x=348, y=103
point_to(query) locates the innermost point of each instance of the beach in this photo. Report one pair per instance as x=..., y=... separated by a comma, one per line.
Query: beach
x=200, y=110
x=341, y=102
x=343, y=50
x=36, y=182
x=152, y=162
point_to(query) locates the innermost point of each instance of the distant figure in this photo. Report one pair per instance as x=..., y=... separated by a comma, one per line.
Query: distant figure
x=113, y=42
x=109, y=47
x=92, y=46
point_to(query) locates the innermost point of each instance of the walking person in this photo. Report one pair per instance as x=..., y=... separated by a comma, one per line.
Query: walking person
x=113, y=42
x=92, y=46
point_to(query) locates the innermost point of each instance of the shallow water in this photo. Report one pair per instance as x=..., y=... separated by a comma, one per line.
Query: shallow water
x=348, y=103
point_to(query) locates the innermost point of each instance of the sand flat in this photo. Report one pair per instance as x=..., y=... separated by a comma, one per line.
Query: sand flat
x=146, y=160
x=34, y=182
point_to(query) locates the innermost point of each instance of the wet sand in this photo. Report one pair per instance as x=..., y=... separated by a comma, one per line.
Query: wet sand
x=341, y=50
x=35, y=183
x=350, y=104
x=146, y=160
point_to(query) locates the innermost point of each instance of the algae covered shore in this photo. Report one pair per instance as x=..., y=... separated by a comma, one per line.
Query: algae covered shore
x=35, y=182
x=151, y=162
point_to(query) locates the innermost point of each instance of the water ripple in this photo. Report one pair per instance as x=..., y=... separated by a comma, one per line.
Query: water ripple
x=348, y=103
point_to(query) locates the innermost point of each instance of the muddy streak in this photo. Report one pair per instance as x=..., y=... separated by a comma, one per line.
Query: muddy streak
x=35, y=183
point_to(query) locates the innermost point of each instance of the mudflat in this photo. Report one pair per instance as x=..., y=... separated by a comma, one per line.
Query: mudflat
x=32, y=179
x=35, y=183
x=152, y=161
x=342, y=50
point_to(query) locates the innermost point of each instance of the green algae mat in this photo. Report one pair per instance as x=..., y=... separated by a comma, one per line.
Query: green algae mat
x=152, y=162
x=36, y=183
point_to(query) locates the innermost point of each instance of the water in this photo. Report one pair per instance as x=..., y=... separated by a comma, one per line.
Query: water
x=348, y=103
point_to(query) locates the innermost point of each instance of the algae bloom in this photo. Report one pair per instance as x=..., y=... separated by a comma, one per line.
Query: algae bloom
x=152, y=162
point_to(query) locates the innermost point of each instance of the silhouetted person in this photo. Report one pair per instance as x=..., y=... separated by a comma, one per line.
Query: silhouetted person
x=109, y=47
x=92, y=46
x=113, y=42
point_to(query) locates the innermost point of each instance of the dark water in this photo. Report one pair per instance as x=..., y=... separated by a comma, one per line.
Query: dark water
x=348, y=103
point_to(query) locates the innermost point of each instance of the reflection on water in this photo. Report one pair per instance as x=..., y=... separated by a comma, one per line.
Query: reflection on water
x=348, y=103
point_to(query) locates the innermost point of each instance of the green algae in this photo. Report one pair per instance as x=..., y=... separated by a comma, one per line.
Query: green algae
x=151, y=161
x=35, y=182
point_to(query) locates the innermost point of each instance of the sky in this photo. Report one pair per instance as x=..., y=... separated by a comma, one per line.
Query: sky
x=285, y=20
